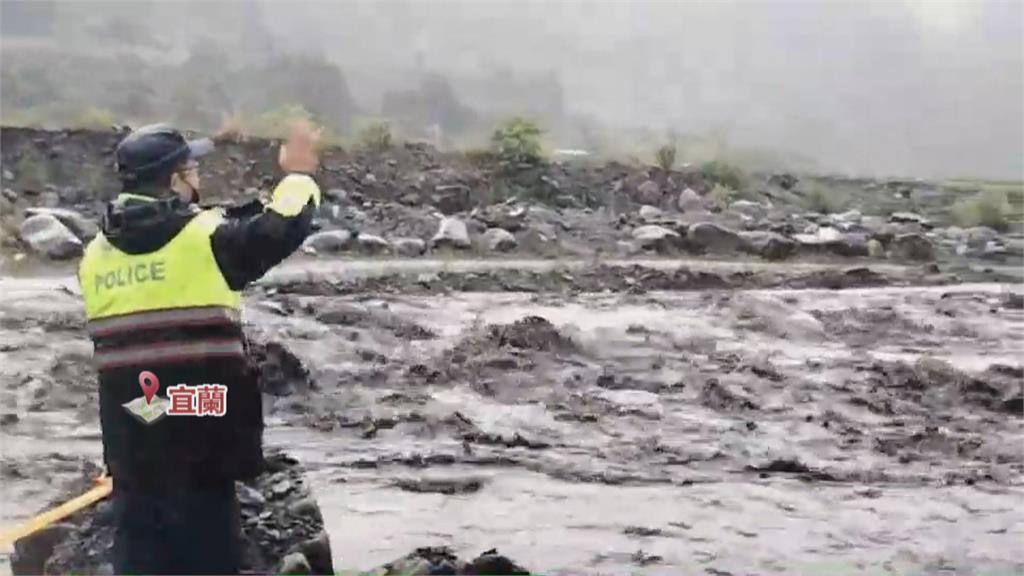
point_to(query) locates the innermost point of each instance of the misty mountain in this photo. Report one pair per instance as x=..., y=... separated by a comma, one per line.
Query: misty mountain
x=882, y=87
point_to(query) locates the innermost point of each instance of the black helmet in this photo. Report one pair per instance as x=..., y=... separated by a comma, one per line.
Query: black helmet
x=154, y=152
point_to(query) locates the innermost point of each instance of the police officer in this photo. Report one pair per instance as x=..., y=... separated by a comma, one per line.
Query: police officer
x=161, y=287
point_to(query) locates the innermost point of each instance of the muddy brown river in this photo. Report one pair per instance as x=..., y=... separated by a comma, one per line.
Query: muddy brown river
x=871, y=430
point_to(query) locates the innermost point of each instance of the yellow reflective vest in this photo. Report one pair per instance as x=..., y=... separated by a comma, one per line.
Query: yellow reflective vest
x=181, y=274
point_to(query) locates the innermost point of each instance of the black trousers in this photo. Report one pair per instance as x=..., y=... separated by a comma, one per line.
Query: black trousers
x=177, y=530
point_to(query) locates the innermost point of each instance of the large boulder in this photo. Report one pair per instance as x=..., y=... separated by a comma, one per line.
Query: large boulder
x=507, y=216
x=409, y=246
x=749, y=208
x=452, y=198
x=828, y=240
x=690, y=201
x=657, y=238
x=710, y=237
x=979, y=236
x=913, y=247
x=649, y=193
x=650, y=213
x=768, y=245
x=500, y=240
x=451, y=233
x=847, y=221
x=46, y=235
x=329, y=242
x=83, y=228
x=372, y=244
x=909, y=218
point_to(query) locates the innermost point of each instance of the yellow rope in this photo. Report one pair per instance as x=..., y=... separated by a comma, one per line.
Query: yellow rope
x=103, y=487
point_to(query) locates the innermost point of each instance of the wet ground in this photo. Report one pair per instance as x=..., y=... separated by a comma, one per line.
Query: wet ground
x=671, y=426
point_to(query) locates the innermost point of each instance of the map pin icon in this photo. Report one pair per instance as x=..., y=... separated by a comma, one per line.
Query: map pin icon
x=149, y=383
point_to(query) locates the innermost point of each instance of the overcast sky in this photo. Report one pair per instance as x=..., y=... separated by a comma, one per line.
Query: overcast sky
x=893, y=87
x=897, y=87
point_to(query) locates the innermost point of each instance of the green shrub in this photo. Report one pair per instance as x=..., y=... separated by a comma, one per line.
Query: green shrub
x=517, y=141
x=666, y=157
x=988, y=208
x=721, y=172
x=479, y=156
x=823, y=200
x=721, y=196
x=93, y=118
x=375, y=137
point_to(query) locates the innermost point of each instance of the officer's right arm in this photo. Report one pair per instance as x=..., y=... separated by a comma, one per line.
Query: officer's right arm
x=246, y=248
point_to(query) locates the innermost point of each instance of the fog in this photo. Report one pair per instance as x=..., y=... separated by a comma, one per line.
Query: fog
x=929, y=88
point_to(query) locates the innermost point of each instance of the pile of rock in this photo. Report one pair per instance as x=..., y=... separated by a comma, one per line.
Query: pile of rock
x=281, y=524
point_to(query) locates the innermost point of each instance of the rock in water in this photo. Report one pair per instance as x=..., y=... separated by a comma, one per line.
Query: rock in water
x=913, y=247
x=875, y=249
x=713, y=238
x=83, y=228
x=45, y=234
x=443, y=560
x=329, y=242
x=275, y=533
x=499, y=240
x=451, y=233
x=409, y=246
x=372, y=244
x=650, y=213
x=690, y=201
x=657, y=238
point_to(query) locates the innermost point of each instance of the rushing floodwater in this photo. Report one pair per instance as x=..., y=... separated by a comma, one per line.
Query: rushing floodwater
x=640, y=476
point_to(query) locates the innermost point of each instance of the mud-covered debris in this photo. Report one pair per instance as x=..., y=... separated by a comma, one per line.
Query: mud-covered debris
x=490, y=563
x=717, y=396
x=271, y=530
x=1013, y=301
x=279, y=371
x=530, y=333
x=791, y=466
x=441, y=485
x=432, y=560
x=470, y=433
x=642, y=531
x=641, y=558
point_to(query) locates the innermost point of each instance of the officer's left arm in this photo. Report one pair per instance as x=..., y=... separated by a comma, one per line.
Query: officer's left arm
x=246, y=248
